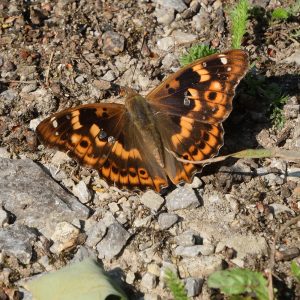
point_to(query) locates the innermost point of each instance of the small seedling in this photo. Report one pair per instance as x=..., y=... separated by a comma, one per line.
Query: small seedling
x=239, y=16
x=235, y=282
x=196, y=52
x=279, y=14
x=175, y=286
x=295, y=268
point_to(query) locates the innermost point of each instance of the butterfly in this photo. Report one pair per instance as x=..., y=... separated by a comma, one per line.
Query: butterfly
x=131, y=144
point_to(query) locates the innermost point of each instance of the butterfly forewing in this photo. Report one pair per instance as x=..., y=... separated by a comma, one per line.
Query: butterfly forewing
x=191, y=105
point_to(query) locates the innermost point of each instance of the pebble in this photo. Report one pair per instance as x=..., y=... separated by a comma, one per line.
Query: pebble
x=287, y=254
x=280, y=208
x=16, y=240
x=95, y=233
x=142, y=222
x=166, y=43
x=130, y=277
x=187, y=238
x=29, y=88
x=59, y=158
x=166, y=220
x=164, y=15
x=113, y=207
x=8, y=96
x=149, y=281
x=193, y=286
x=196, y=183
x=80, y=79
x=109, y=76
x=113, y=43
x=178, y=5
x=201, y=20
x=168, y=61
x=183, y=37
x=180, y=198
x=3, y=217
x=4, y=153
x=199, y=267
x=82, y=192
x=195, y=250
x=152, y=200
x=154, y=269
x=33, y=124
x=4, y=276
x=65, y=236
x=101, y=84
x=113, y=242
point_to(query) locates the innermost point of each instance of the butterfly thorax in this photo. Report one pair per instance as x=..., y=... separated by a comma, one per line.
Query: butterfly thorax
x=142, y=117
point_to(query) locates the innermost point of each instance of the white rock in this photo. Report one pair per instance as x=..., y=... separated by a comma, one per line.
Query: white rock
x=113, y=207
x=166, y=220
x=149, y=281
x=192, y=251
x=33, y=124
x=3, y=217
x=82, y=192
x=64, y=237
x=166, y=43
x=183, y=37
x=164, y=15
x=130, y=277
x=178, y=5
x=193, y=286
x=187, y=238
x=109, y=76
x=180, y=198
x=4, y=153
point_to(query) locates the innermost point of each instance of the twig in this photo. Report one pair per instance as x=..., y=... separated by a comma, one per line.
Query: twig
x=249, y=153
x=18, y=81
x=272, y=254
x=49, y=67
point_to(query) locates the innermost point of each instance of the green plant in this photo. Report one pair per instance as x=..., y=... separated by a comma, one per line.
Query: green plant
x=295, y=268
x=196, y=52
x=279, y=13
x=175, y=285
x=239, y=16
x=234, y=282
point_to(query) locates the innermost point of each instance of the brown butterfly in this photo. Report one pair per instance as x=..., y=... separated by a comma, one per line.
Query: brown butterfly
x=128, y=144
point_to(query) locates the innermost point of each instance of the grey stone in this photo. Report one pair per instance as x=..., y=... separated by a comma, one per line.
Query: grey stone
x=166, y=220
x=164, y=15
x=130, y=277
x=149, y=281
x=113, y=242
x=195, y=250
x=80, y=79
x=29, y=88
x=17, y=240
x=35, y=198
x=95, y=233
x=185, y=239
x=4, y=153
x=142, y=222
x=183, y=37
x=199, y=267
x=201, y=21
x=193, y=286
x=280, y=208
x=152, y=200
x=180, y=198
x=109, y=76
x=166, y=43
x=82, y=192
x=113, y=43
x=8, y=96
x=178, y=5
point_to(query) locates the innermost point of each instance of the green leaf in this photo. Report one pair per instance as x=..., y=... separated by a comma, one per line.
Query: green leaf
x=295, y=270
x=175, y=285
x=280, y=14
x=79, y=281
x=239, y=281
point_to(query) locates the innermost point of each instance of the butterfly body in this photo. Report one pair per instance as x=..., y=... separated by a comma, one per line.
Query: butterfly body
x=131, y=144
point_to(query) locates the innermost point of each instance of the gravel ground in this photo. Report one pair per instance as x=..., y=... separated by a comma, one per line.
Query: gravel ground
x=63, y=53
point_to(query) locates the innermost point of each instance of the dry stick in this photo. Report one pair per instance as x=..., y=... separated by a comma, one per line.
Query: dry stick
x=49, y=67
x=18, y=81
x=272, y=254
x=249, y=153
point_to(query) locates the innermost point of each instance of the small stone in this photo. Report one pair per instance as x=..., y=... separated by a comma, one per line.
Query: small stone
x=29, y=88
x=166, y=43
x=109, y=76
x=166, y=220
x=113, y=207
x=180, y=198
x=3, y=217
x=187, y=238
x=143, y=222
x=201, y=20
x=95, y=233
x=154, y=269
x=130, y=277
x=16, y=240
x=287, y=254
x=164, y=15
x=113, y=43
x=199, y=267
x=113, y=242
x=101, y=84
x=196, y=183
x=239, y=262
x=149, y=281
x=80, y=79
x=152, y=200
x=64, y=237
x=82, y=192
x=59, y=158
x=280, y=208
x=168, y=61
x=192, y=251
x=4, y=276
x=33, y=124
x=4, y=153
x=178, y=5
x=183, y=37
x=193, y=286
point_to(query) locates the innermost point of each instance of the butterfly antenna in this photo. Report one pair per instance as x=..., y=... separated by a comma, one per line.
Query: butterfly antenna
x=140, y=54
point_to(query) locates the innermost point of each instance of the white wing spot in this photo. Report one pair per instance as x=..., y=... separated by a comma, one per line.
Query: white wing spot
x=204, y=64
x=224, y=60
x=54, y=123
x=111, y=139
x=229, y=69
x=56, y=133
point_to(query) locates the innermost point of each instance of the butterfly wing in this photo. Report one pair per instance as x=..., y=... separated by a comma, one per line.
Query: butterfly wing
x=103, y=137
x=190, y=106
